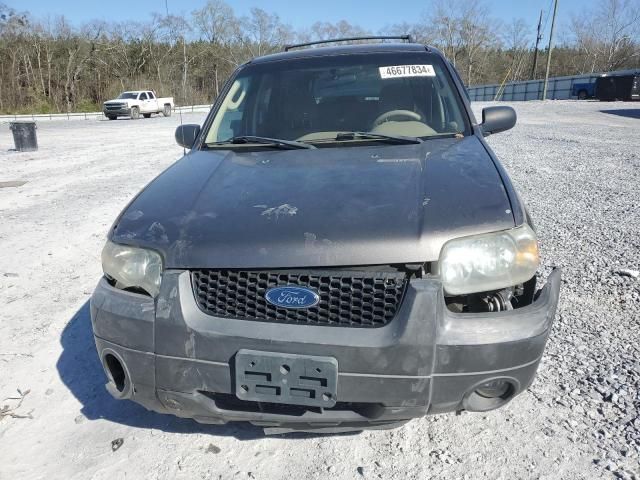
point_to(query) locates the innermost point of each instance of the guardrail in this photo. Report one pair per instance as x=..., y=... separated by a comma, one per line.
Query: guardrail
x=89, y=115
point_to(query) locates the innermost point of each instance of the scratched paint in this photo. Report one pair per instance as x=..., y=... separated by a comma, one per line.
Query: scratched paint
x=284, y=210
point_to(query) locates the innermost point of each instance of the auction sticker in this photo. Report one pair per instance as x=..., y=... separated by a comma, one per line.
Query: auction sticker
x=398, y=71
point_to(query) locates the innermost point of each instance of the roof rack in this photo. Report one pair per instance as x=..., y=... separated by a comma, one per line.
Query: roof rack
x=406, y=38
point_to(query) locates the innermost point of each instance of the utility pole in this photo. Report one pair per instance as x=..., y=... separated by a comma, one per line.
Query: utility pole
x=546, y=75
x=535, y=52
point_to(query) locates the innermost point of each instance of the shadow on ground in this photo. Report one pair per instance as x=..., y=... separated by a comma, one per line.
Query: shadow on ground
x=81, y=371
x=625, y=112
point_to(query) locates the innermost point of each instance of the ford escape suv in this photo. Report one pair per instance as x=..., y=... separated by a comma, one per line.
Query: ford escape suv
x=339, y=250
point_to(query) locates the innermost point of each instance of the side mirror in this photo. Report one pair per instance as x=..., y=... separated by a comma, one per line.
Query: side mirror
x=186, y=135
x=498, y=119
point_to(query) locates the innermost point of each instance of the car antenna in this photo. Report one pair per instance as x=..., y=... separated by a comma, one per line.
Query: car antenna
x=184, y=149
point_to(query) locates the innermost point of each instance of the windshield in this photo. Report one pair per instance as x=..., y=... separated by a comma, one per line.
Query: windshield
x=131, y=95
x=316, y=99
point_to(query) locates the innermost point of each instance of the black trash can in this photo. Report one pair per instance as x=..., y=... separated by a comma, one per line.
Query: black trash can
x=24, y=136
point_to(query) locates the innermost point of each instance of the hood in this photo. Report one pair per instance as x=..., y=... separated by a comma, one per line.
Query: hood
x=323, y=207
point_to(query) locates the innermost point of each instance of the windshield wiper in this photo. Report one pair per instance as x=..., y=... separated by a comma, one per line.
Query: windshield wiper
x=274, y=142
x=445, y=135
x=377, y=136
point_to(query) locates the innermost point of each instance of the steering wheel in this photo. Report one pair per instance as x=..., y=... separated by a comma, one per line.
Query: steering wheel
x=407, y=114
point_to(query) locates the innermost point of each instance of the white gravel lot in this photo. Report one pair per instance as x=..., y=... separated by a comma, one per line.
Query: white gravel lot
x=576, y=166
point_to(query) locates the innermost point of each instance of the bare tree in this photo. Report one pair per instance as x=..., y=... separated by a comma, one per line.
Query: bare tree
x=79, y=48
x=341, y=29
x=475, y=32
x=417, y=31
x=516, y=39
x=215, y=22
x=176, y=28
x=51, y=65
x=517, y=35
x=462, y=28
x=261, y=33
x=608, y=35
x=443, y=23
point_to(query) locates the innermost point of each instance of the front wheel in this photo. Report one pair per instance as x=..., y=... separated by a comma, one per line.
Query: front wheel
x=582, y=95
x=111, y=117
x=166, y=111
x=146, y=115
x=135, y=113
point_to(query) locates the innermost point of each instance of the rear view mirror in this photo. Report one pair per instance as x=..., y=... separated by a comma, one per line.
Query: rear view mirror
x=498, y=119
x=186, y=135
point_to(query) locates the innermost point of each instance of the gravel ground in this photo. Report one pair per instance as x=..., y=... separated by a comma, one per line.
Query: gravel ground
x=577, y=166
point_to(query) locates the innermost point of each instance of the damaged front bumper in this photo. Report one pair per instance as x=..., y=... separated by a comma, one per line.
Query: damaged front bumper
x=171, y=357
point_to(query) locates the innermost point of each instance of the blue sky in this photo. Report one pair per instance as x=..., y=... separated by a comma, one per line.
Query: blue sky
x=370, y=14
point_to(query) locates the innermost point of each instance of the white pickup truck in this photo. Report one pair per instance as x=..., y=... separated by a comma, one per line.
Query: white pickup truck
x=135, y=103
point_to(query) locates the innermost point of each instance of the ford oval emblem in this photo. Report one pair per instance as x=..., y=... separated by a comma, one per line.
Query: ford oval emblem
x=292, y=297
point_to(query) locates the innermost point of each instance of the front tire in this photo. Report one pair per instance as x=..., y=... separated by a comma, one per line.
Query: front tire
x=582, y=95
x=135, y=113
x=146, y=115
x=111, y=117
x=166, y=111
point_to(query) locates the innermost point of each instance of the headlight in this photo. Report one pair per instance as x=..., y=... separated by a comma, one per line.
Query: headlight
x=132, y=267
x=490, y=261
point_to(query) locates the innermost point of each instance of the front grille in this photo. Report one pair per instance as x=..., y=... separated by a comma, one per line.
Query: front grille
x=347, y=298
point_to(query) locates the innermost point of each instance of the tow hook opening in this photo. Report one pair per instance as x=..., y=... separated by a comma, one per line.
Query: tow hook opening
x=116, y=372
x=490, y=394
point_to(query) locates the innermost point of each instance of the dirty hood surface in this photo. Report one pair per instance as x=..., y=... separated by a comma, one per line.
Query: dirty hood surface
x=326, y=207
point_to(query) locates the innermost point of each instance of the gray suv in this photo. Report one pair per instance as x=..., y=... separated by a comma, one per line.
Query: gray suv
x=339, y=250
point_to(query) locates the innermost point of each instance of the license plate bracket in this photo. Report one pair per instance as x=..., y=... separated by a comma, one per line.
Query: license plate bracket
x=286, y=378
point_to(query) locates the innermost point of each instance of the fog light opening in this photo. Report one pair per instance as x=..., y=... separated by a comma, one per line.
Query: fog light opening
x=495, y=389
x=490, y=394
x=116, y=372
